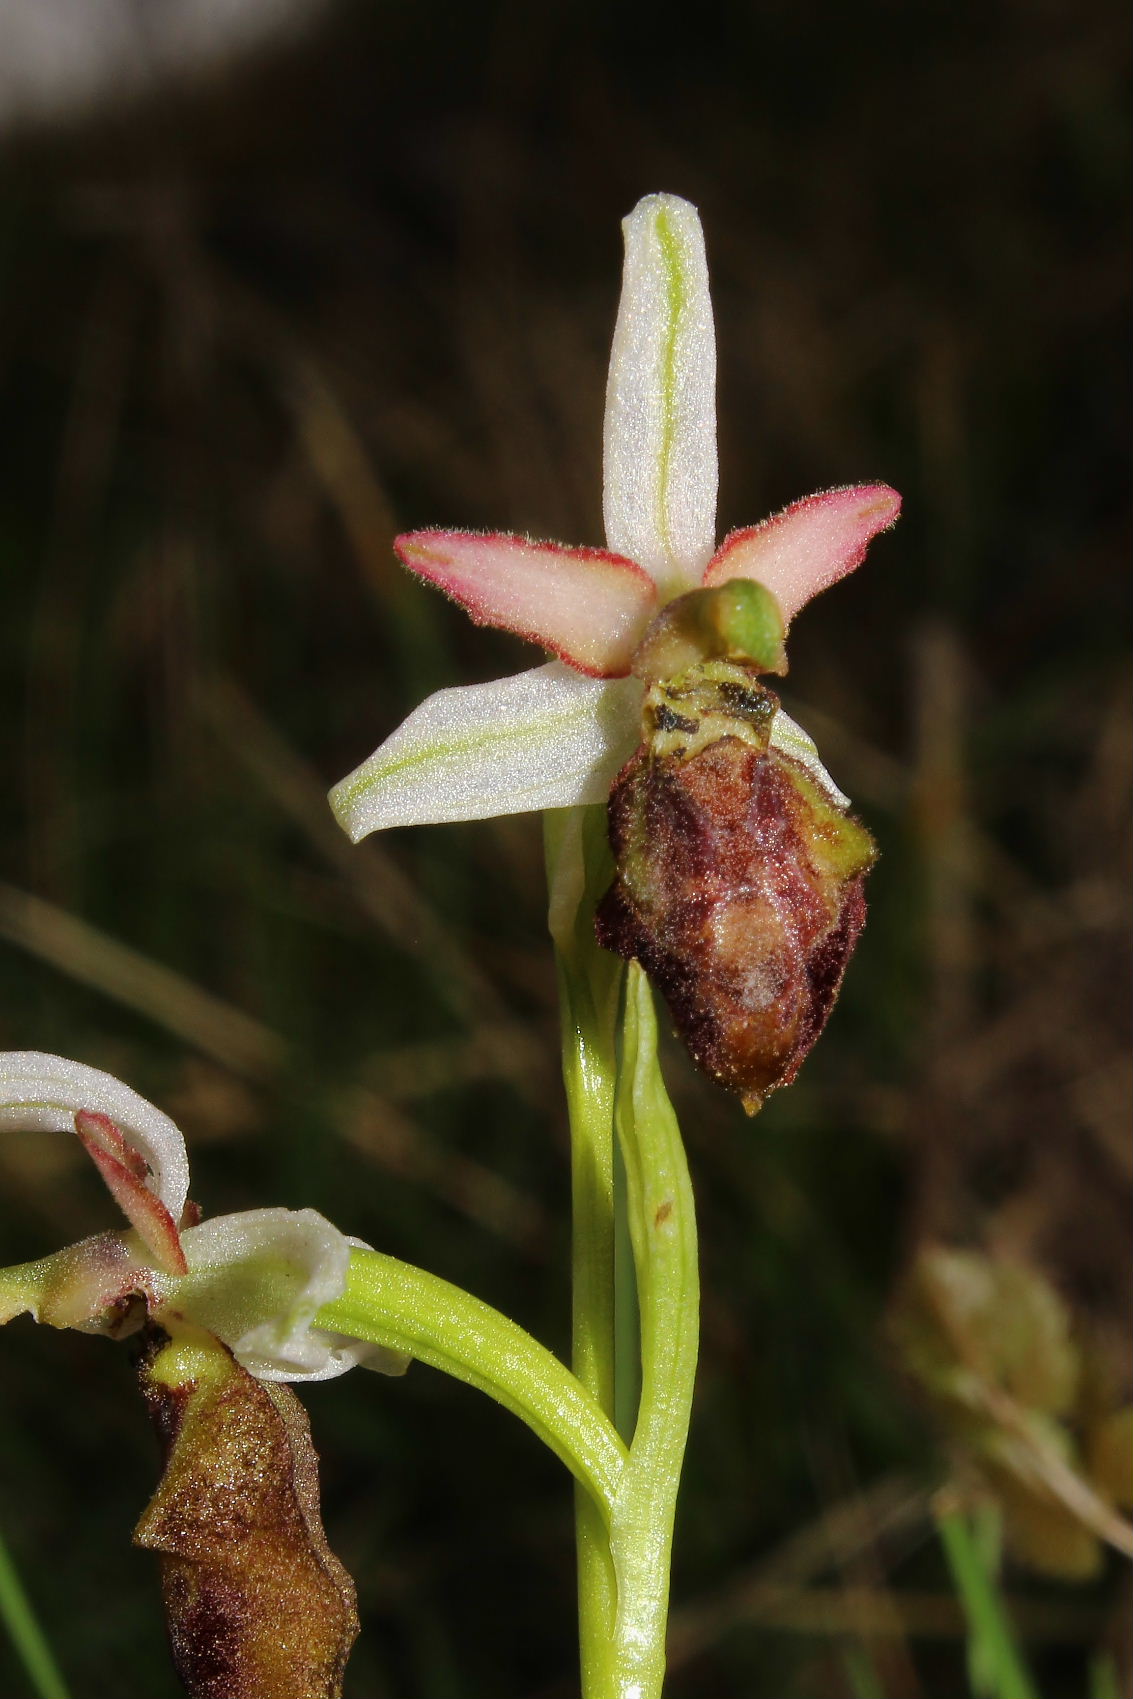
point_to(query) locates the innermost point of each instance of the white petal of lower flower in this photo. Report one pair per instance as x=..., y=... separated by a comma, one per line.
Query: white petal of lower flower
x=258, y=1279
x=38, y=1090
x=659, y=460
x=793, y=741
x=548, y=738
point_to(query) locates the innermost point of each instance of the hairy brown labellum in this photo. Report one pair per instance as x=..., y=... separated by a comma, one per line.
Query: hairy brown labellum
x=258, y=1606
x=739, y=879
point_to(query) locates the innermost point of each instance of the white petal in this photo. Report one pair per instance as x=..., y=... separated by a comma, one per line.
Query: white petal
x=258, y=1279
x=660, y=439
x=547, y=738
x=790, y=737
x=42, y=1091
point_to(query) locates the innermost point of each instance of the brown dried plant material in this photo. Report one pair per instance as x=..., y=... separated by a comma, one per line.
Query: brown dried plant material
x=739, y=879
x=258, y=1606
x=1024, y=1402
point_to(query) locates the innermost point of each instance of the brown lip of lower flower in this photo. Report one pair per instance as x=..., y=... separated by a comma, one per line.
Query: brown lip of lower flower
x=256, y=1602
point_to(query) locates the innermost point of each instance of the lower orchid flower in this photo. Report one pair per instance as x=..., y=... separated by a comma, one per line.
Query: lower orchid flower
x=255, y=1600
x=255, y=1280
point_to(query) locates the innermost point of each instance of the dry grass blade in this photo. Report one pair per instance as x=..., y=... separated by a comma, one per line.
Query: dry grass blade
x=380, y=888
x=382, y=1134
x=343, y=469
x=777, y=1594
x=117, y=970
x=409, y=1072
x=880, y=1612
x=771, y=1590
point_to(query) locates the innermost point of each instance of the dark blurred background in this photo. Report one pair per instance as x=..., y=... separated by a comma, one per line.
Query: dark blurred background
x=264, y=305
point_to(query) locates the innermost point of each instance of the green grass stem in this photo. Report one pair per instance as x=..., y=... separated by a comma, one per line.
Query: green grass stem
x=25, y=1633
x=995, y=1669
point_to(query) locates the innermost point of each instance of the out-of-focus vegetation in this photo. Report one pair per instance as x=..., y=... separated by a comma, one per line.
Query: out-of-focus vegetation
x=250, y=330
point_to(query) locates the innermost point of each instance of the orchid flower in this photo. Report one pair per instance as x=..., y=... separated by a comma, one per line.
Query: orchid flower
x=254, y=1280
x=660, y=606
x=255, y=1600
x=557, y=735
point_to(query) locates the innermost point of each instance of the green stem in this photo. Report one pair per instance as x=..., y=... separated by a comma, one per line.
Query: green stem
x=578, y=868
x=995, y=1669
x=391, y=1303
x=627, y=1319
x=25, y=1633
x=578, y=864
x=626, y=1500
x=636, y=1314
x=662, y=1224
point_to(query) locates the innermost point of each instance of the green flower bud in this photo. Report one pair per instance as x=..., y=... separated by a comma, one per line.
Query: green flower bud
x=736, y=621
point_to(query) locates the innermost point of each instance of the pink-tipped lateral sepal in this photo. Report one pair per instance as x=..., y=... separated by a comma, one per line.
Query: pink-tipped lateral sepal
x=125, y=1173
x=587, y=606
x=809, y=545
